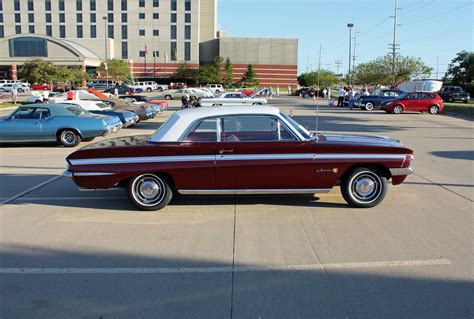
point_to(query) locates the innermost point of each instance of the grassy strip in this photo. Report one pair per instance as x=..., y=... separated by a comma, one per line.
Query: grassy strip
x=459, y=108
x=10, y=104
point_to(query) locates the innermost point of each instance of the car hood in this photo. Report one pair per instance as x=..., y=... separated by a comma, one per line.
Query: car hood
x=359, y=140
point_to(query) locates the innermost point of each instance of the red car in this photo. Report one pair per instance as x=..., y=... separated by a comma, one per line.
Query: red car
x=247, y=92
x=145, y=99
x=237, y=151
x=41, y=87
x=415, y=101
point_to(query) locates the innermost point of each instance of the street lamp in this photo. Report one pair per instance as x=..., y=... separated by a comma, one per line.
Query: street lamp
x=106, y=53
x=350, y=25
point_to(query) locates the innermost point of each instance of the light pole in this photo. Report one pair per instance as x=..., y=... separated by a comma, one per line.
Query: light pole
x=106, y=53
x=350, y=25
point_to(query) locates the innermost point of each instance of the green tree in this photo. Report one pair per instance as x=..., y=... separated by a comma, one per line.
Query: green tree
x=211, y=72
x=38, y=71
x=382, y=71
x=118, y=69
x=326, y=78
x=461, y=70
x=229, y=73
x=186, y=73
x=250, y=77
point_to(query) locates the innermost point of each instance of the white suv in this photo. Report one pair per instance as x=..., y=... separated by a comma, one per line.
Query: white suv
x=215, y=88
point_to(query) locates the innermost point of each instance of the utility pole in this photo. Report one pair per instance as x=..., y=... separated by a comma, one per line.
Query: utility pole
x=349, y=25
x=394, y=45
x=307, y=63
x=354, y=52
x=338, y=65
x=437, y=67
x=319, y=63
x=106, y=36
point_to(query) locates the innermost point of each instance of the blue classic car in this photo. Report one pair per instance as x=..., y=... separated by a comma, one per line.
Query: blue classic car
x=66, y=124
x=369, y=102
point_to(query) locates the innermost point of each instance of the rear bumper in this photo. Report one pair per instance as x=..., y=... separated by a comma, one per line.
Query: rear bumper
x=401, y=171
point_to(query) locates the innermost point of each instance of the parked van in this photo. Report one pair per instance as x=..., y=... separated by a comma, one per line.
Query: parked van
x=215, y=88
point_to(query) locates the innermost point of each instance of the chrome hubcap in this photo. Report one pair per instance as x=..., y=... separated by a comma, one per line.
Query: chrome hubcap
x=69, y=137
x=366, y=187
x=148, y=190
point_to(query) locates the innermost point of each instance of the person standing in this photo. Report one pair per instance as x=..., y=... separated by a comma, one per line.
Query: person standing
x=325, y=93
x=278, y=91
x=116, y=91
x=351, y=98
x=340, y=99
x=70, y=95
x=14, y=94
x=45, y=96
x=270, y=93
x=289, y=90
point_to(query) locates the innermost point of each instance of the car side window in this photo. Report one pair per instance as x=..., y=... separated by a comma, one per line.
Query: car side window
x=45, y=114
x=412, y=96
x=253, y=129
x=28, y=114
x=426, y=96
x=205, y=131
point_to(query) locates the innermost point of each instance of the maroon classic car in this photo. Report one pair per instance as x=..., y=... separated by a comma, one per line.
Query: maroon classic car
x=240, y=150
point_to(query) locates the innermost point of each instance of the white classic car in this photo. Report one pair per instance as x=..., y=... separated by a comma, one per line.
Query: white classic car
x=233, y=98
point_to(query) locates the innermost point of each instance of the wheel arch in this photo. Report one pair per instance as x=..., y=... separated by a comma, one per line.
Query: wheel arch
x=382, y=169
x=75, y=129
x=168, y=176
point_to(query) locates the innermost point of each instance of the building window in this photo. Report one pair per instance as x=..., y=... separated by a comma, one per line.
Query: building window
x=31, y=29
x=187, y=51
x=79, y=31
x=173, y=34
x=93, y=31
x=173, y=18
x=141, y=32
x=111, y=31
x=18, y=29
x=156, y=3
x=141, y=54
x=187, y=5
x=141, y=3
x=141, y=16
x=173, y=51
x=62, y=18
x=49, y=30
x=79, y=17
x=156, y=16
x=61, y=5
x=187, y=17
x=124, y=32
x=30, y=5
x=1, y=5
x=124, y=50
x=187, y=32
x=93, y=18
x=110, y=5
x=62, y=31
x=47, y=5
x=124, y=7
x=110, y=17
x=16, y=5
x=17, y=18
x=78, y=5
x=2, y=31
x=174, y=5
x=93, y=5
x=28, y=47
x=48, y=17
x=1, y=17
x=156, y=32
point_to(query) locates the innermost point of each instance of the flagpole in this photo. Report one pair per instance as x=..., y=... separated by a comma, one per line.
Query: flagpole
x=145, y=60
x=154, y=64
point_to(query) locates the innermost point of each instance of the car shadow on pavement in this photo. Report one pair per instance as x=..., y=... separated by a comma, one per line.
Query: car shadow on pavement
x=177, y=287
x=342, y=124
x=462, y=155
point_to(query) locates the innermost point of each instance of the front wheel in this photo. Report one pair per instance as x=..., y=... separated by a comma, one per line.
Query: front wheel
x=149, y=191
x=364, y=188
x=168, y=97
x=149, y=90
x=69, y=138
x=160, y=89
x=434, y=109
x=369, y=106
x=398, y=109
x=257, y=103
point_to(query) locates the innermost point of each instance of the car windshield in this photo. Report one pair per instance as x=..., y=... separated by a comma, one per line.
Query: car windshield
x=306, y=134
x=76, y=110
x=403, y=95
x=103, y=105
x=456, y=90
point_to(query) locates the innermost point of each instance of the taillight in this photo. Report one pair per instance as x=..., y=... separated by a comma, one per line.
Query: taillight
x=407, y=161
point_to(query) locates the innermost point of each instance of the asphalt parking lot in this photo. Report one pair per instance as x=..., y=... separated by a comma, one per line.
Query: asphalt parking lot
x=71, y=254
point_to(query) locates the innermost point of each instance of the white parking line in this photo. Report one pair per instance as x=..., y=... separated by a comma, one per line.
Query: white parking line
x=226, y=269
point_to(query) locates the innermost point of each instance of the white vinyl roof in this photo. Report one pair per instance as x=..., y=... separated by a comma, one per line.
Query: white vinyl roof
x=179, y=122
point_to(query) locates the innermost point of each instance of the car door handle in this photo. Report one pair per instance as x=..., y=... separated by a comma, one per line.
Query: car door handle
x=226, y=151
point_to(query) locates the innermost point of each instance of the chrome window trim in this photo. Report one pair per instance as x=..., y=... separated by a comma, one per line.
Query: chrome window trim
x=253, y=191
x=359, y=156
x=194, y=125
x=257, y=157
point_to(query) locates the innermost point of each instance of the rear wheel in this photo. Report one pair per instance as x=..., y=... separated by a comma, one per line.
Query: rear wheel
x=257, y=103
x=160, y=89
x=149, y=90
x=369, y=106
x=168, y=97
x=434, y=109
x=149, y=191
x=69, y=138
x=364, y=187
x=450, y=99
x=398, y=109
x=38, y=101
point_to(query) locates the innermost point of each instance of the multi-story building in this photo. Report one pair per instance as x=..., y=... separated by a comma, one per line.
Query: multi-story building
x=154, y=36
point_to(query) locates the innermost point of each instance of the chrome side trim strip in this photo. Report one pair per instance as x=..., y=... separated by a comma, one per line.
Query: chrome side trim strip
x=73, y=174
x=360, y=156
x=401, y=171
x=148, y=159
x=67, y=174
x=232, y=157
x=253, y=191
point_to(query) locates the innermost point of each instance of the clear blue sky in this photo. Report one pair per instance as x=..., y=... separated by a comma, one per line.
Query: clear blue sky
x=429, y=28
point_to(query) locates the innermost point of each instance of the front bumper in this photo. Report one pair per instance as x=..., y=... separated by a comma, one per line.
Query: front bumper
x=113, y=128
x=130, y=121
